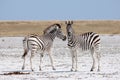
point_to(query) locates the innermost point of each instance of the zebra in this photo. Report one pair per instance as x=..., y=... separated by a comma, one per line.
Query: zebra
x=41, y=44
x=86, y=41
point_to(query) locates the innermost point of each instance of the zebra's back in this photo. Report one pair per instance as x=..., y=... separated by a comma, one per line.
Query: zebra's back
x=88, y=40
x=38, y=43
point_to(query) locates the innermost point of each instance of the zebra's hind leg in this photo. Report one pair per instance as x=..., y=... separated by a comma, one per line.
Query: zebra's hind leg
x=98, y=57
x=32, y=54
x=23, y=67
x=41, y=56
x=23, y=56
x=97, y=52
x=94, y=59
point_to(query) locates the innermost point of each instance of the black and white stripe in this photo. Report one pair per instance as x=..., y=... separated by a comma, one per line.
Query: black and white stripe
x=86, y=41
x=42, y=43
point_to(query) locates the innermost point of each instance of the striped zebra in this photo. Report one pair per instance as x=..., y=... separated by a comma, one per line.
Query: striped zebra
x=86, y=41
x=41, y=44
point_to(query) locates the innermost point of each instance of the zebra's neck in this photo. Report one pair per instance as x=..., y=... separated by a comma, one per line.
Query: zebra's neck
x=51, y=36
x=71, y=40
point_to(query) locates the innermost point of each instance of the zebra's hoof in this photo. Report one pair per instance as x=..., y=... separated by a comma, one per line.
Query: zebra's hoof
x=22, y=68
x=54, y=69
x=98, y=70
x=76, y=70
x=39, y=69
x=72, y=69
x=32, y=70
x=91, y=70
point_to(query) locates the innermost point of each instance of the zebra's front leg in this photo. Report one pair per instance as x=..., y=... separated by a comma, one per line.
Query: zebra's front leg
x=73, y=59
x=51, y=60
x=72, y=69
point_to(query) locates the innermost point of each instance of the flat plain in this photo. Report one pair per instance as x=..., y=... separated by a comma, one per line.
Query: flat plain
x=11, y=61
x=11, y=50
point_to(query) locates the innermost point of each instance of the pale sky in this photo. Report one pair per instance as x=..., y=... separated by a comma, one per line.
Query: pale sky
x=59, y=9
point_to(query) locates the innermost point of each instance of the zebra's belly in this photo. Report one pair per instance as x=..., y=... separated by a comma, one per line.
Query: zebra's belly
x=80, y=48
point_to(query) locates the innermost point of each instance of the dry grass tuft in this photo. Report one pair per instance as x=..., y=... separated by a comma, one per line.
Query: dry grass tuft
x=22, y=28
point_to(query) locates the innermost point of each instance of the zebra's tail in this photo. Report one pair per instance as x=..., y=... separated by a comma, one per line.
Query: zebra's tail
x=25, y=53
x=25, y=47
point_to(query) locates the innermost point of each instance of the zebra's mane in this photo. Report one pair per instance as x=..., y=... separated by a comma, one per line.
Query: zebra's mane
x=51, y=27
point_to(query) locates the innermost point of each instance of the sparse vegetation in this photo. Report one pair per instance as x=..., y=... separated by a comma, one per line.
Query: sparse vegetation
x=22, y=28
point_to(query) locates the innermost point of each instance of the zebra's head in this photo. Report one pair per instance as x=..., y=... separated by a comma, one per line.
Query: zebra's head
x=56, y=31
x=69, y=28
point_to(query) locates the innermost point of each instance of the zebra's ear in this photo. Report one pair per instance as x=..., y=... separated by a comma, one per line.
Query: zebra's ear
x=66, y=22
x=58, y=26
x=69, y=22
